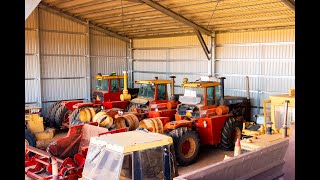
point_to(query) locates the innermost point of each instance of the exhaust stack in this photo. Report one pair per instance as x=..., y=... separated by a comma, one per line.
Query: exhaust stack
x=222, y=90
x=125, y=96
x=247, y=90
x=172, y=85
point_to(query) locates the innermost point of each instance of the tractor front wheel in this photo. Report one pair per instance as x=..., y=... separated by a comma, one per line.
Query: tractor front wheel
x=232, y=130
x=186, y=144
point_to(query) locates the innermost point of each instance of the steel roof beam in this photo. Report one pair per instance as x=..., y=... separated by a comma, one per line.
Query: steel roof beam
x=82, y=21
x=177, y=16
x=290, y=3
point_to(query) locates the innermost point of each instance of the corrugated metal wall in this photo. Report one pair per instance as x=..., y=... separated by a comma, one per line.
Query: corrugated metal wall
x=107, y=54
x=62, y=58
x=267, y=57
x=163, y=57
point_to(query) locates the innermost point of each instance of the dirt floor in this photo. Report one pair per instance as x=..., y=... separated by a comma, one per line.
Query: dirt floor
x=208, y=155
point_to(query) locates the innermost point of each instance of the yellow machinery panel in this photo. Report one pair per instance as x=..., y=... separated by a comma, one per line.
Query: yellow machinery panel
x=258, y=142
x=47, y=134
x=277, y=103
x=34, y=123
x=275, y=113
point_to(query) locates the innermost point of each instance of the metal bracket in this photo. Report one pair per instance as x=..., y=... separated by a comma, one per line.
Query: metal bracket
x=203, y=44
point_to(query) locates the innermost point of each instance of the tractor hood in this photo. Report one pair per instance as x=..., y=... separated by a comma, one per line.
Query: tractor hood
x=139, y=101
x=189, y=100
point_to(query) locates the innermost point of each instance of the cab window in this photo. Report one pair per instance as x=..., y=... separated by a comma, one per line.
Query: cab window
x=161, y=92
x=114, y=85
x=210, y=96
x=102, y=85
x=121, y=83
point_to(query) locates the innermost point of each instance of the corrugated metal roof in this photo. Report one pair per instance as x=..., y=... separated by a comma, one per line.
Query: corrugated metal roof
x=132, y=19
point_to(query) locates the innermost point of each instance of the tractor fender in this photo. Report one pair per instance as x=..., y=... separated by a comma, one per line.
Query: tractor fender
x=176, y=124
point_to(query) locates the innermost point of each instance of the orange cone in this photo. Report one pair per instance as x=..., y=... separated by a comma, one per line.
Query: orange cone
x=237, y=148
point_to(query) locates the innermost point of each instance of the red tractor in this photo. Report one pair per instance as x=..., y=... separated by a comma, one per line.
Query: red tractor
x=204, y=117
x=107, y=94
x=153, y=97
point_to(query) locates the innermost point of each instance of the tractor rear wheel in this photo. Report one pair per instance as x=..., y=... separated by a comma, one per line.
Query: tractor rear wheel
x=231, y=131
x=61, y=115
x=186, y=144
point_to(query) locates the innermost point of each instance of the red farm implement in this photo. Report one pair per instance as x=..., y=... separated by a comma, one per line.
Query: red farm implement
x=65, y=157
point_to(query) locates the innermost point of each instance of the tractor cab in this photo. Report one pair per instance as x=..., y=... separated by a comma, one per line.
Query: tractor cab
x=112, y=92
x=108, y=88
x=153, y=94
x=205, y=96
x=130, y=155
x=200, y=97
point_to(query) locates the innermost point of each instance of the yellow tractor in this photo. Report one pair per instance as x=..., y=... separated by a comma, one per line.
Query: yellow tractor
x=130, y=155
x=274, y=124
x=34, y=128
x=275, y=110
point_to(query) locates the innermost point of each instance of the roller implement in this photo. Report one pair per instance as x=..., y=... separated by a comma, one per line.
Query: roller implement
x=205, y=116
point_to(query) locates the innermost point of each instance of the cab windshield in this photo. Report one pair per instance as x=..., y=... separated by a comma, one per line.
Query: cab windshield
x=102, y=85
x=101, y=163
x=194, y=92
x=146, y=91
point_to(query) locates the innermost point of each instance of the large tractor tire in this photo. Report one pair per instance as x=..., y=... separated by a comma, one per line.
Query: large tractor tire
x=74, y=117
x=51, y=107
x=186, y=144
x=230, y=133
x=52, y=114
x=61, y=115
